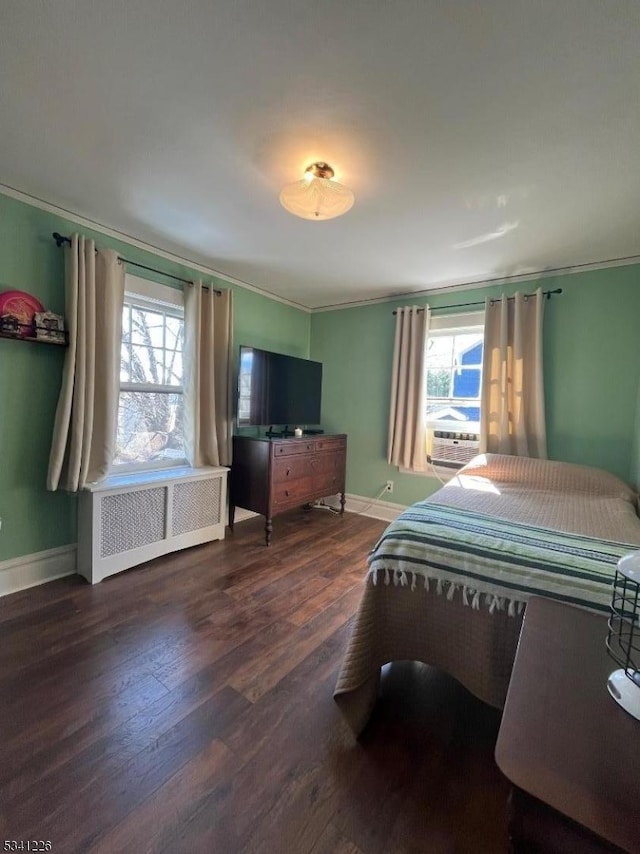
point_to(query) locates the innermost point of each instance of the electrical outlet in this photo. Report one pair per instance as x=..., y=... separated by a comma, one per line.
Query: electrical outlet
x=389, y=486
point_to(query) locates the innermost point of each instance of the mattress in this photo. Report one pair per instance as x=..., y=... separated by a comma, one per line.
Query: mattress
x=448, y=580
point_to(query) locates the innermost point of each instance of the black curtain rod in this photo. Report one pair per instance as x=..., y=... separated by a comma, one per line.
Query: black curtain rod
x=547, y=294
x=60, y=240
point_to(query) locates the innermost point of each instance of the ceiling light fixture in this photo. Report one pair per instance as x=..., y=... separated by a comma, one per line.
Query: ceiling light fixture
x=316, y=196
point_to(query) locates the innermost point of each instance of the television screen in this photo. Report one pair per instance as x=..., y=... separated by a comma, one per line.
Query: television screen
x=278, y=389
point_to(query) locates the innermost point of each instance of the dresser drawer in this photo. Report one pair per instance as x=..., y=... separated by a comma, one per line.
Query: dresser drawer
x=297, y=490
x=287, y=449
x=330, y=462
x=330, y=484
x=294, y=467
x=333, y=443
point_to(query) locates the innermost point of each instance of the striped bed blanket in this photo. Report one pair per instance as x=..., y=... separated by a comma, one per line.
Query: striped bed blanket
x=494, y=562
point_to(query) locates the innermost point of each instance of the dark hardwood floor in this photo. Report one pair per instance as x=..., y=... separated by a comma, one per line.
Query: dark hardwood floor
x=186, y=706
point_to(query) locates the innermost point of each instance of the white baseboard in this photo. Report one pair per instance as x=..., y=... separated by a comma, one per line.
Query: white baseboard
x=372, y=507
x=19, y=573
x=376, y=509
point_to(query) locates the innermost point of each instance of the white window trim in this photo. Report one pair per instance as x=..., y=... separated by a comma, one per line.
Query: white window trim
x=149, y=294
x=135, y=286
x=468, y=321
x=141, y=468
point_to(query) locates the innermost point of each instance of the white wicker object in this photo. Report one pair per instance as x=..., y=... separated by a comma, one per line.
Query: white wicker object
x=130, y=519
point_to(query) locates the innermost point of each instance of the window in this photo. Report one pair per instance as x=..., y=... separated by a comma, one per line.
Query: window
x=244, y=386
x=151, y=408
x=454, y=372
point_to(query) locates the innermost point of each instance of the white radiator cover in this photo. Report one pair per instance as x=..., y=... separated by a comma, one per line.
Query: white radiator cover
x=129, y=519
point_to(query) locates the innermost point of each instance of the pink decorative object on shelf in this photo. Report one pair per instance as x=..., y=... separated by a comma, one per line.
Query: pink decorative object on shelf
x=21, y=306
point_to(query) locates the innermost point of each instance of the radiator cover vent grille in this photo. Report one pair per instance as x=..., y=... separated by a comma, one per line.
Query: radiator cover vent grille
x=132, y=519
x=196, y=504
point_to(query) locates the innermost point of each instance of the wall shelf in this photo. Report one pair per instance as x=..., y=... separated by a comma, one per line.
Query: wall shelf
x=31, y=339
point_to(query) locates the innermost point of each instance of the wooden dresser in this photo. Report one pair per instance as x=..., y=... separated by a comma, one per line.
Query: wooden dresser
x=271, y=476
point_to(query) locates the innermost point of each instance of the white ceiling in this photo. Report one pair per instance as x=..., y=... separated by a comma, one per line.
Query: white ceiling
x=481, y=139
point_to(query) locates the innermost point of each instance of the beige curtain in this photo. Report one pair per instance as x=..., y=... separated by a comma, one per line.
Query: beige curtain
x=84, y=432
x=208, y=324
x=407, y=416
x=512, y=412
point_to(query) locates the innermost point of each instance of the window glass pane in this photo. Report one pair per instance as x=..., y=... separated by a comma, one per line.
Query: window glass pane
x=147, y=327
x=126, y=321
x=438, y=382
x=440, y=351
x=147, y=365
x=468, y=348
x=174, y=333
x=466, y=382
x=125, y=363
x=150, y=427
x=173, y=368
x=244, y=382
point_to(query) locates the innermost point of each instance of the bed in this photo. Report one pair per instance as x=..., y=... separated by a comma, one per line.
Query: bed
x=449, y=579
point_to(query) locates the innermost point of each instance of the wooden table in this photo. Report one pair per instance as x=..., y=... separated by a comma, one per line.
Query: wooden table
x=571, y=753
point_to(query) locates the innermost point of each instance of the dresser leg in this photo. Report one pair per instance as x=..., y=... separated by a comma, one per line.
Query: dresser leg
x=232, y=515
x=268, y=528
x=343, y=501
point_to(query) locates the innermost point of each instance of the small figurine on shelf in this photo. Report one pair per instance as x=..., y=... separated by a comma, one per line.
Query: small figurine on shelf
x=49, y=326
x=10, y=324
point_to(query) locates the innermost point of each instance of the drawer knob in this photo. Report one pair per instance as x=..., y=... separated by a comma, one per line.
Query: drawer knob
x=286, y=492
x=288, y=472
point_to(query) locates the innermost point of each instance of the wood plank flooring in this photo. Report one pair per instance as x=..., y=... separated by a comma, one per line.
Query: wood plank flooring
x=186, y=706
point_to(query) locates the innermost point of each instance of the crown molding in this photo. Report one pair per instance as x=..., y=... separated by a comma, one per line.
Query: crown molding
x=43, y=205
x=450, y=286
x=466, y=285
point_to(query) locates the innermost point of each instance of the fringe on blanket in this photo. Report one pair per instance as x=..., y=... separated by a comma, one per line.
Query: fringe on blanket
x=471, y=597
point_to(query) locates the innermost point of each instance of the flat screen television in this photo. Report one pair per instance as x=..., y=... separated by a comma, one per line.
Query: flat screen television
x=278, y=389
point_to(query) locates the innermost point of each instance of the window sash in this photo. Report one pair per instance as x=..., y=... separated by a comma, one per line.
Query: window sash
x=453, y=368
x=453, y=372
x=462, y=401
x=152, y=388
x=173, y=309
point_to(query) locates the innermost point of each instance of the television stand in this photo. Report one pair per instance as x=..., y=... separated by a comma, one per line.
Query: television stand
x=273, y=475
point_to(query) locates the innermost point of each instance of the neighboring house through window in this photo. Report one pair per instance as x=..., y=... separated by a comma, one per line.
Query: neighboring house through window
x=151, y=408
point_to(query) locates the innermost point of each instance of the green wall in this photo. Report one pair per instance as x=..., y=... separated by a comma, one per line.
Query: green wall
x=592, y=371
x=32, y=518
x=592, y=365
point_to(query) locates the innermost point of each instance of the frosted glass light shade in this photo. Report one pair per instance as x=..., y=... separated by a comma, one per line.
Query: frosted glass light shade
x=315, y=196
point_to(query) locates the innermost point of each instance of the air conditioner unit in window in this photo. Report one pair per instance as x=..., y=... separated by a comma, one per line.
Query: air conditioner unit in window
x=453, y=449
